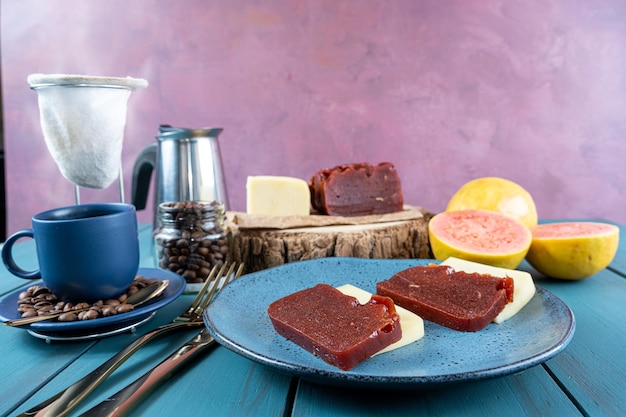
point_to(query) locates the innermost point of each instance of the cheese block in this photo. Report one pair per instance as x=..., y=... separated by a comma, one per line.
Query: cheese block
x=278, y=196
x=523, y=287
x=411, y=324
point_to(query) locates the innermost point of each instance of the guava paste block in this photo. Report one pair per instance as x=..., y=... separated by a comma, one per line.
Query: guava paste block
x=459, y=300
x=357, y=190
x=334, y=326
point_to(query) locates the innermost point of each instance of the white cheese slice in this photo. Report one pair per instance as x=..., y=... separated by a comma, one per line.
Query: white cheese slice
x=523, y=285
x=411, y=324
x=278, y=196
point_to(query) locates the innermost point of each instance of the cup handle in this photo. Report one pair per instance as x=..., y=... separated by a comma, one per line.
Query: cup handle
x=7, y=255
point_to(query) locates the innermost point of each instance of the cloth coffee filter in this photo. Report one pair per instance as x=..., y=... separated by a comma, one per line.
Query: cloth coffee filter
x=83, y=119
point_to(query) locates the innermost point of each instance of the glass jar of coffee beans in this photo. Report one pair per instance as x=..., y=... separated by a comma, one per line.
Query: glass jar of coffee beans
x=190, y=238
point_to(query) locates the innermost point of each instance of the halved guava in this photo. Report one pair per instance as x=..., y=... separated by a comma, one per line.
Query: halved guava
x=480, y=236
x=572, y=250
x=496, y=194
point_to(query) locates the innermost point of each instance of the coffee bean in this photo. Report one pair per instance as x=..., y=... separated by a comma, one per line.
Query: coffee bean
x=38, y=290
x=40, y=305
x=68, y=317
x=197, y=234
x=38, y=300
x=124, y=308
x=88, y=315
x=189, y=275
x=109, y=311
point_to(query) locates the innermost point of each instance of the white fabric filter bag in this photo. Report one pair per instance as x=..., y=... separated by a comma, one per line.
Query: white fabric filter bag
x=83, y=120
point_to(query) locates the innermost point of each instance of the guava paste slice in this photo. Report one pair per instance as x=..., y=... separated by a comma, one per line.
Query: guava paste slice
x=459, y=300
x=334, y=326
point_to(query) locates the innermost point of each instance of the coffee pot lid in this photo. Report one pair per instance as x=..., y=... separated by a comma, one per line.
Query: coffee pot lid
x=170, y=132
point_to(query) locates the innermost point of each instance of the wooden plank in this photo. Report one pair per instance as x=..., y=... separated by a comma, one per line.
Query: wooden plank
x=528, y=393
x=221, y=383
x=592, y=368
x=29, y=363
x=619, y=263
x=70, y=361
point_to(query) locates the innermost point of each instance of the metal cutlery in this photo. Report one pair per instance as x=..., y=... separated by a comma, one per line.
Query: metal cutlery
x=125, y=400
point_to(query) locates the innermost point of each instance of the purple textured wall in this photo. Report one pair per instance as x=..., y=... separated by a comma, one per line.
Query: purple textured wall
x=448, y=91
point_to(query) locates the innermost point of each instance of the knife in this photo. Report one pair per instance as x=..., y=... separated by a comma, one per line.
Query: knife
x=125, y=400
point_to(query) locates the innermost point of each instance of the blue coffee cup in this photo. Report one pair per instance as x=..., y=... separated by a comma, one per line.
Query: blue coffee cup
x=86, y=252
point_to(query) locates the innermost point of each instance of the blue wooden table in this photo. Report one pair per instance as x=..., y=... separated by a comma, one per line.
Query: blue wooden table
x=587, y=379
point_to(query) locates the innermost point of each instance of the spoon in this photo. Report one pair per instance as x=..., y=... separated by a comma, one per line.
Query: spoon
x=140, y=297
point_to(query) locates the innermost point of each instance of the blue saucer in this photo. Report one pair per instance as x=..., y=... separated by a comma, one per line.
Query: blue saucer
x=77, y=330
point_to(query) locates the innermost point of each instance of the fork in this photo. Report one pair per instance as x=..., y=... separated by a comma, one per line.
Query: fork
x=63, y=402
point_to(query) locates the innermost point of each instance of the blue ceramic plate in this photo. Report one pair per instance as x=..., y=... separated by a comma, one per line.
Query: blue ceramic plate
x=105, y=325
x=238, y=319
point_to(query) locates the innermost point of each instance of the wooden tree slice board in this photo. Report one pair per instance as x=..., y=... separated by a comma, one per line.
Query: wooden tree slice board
x=260, y=249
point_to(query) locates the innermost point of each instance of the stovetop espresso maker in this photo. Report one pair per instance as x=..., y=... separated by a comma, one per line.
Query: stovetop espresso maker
x=188, y=167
